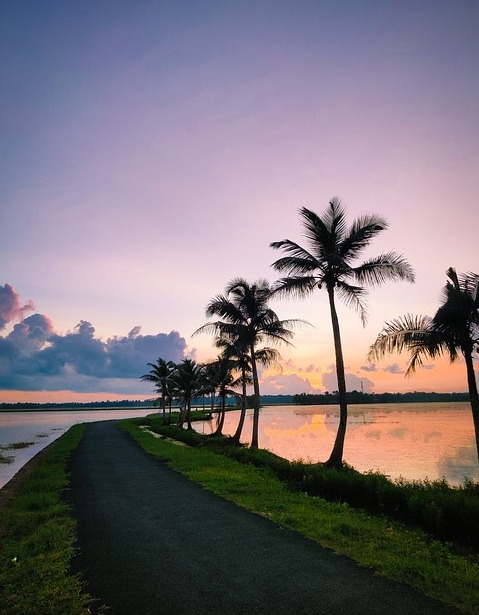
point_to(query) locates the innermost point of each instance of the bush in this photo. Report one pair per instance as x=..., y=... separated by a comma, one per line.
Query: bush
x=449, y=513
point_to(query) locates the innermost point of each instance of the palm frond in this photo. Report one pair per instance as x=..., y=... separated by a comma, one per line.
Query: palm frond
x=389, y=266
x=296, y=286
x=268, y=356
x=457, y=319
x=363, y=229
x=224, y=308
x=298, y=259
x=335, y=218
x=415, y=334
x=352, y=296
x=325, y=232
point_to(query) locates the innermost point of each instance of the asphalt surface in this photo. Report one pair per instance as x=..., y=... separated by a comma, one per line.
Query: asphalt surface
x=151, y=542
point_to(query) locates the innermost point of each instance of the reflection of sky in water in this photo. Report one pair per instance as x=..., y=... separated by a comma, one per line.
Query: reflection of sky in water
x=415, y=441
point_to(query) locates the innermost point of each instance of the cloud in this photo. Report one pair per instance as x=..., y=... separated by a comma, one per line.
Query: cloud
x=10, y=306
x=35, y=357
x=353, y=383
x=427, y=367
x=371, y=367
x=32, y=333
x=289, y=365
x=286, y=384
x=394, y=368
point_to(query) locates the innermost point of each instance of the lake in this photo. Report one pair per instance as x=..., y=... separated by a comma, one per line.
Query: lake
x=415, y=441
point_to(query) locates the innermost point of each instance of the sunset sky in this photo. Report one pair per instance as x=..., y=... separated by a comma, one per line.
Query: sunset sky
x=151, y=150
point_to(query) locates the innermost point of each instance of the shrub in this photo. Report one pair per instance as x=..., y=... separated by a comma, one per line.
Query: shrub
x=447, y=512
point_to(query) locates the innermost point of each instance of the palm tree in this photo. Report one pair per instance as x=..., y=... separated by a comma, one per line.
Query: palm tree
x=453, y=330
x=248, y=320
x=328, y=263
x=237, y=353
x=223, y=380
x=160, y=375
x=235, y=350
x=187, y=383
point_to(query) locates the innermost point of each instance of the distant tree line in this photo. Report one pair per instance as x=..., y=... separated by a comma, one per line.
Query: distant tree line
x=125, y=403
x=300, y=399
x=357, y=397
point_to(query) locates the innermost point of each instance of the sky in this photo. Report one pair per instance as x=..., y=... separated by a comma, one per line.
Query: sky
x=152, y=150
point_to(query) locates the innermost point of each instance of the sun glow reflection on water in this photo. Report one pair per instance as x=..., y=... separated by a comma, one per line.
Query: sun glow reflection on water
x=413, y=441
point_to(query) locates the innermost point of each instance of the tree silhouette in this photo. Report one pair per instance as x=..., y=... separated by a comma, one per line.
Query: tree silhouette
x=454, y=330
x=187, y=383
x=161, y=376
x=328, y=263
x=247, y=319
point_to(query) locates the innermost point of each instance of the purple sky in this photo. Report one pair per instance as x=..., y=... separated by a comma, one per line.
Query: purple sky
x=151, y=151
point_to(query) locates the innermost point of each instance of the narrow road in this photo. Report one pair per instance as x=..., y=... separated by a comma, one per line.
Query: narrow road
x=151, y=542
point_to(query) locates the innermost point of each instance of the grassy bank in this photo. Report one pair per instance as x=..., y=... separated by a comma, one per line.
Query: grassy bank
x=377, y=542
x=37, y=540
x=38, y=532
x=448, y=513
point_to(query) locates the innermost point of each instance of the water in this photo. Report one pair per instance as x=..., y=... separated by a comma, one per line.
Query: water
x=413, y=441
x=42, y=428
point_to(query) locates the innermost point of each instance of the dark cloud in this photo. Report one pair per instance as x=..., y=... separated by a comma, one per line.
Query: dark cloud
x=32, y=333
x=35, y=357
x=371, y=367
x=427, y=367
x=11, y=308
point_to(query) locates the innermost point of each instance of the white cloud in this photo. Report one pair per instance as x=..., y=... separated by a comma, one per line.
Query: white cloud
x=353, y=383
x=286, y=384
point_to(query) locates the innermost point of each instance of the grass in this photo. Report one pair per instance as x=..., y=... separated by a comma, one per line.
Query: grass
x=380, y=543
x=38, y=534
x=38, y=530
x=448, y=513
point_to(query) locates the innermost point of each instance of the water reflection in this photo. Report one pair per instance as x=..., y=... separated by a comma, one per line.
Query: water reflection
x=415, y=441
x=44, y=427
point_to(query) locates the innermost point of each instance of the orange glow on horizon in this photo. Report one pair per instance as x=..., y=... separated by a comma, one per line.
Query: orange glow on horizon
x=58, y=397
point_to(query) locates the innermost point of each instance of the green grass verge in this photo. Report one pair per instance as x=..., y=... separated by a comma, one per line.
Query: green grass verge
x=38, y=536
x=379, y=543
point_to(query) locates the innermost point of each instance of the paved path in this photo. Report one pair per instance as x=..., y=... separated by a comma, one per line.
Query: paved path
x=152, y=542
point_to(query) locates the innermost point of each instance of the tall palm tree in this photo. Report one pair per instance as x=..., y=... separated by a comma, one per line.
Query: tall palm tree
x=329, y=262
x=187, y=383
x=452, y=331
x=246, y=317
x=160, y=375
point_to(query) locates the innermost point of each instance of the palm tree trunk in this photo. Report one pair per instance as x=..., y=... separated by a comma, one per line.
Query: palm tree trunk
x=254, y=437
x=163, y=404
x=336, y=458
x=183, y=415
x=239, y=429
x=473, y=395
x=221, y=417
x=188, y=415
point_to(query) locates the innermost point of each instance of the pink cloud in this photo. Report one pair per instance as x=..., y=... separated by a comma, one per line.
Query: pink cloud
x=11, y=307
